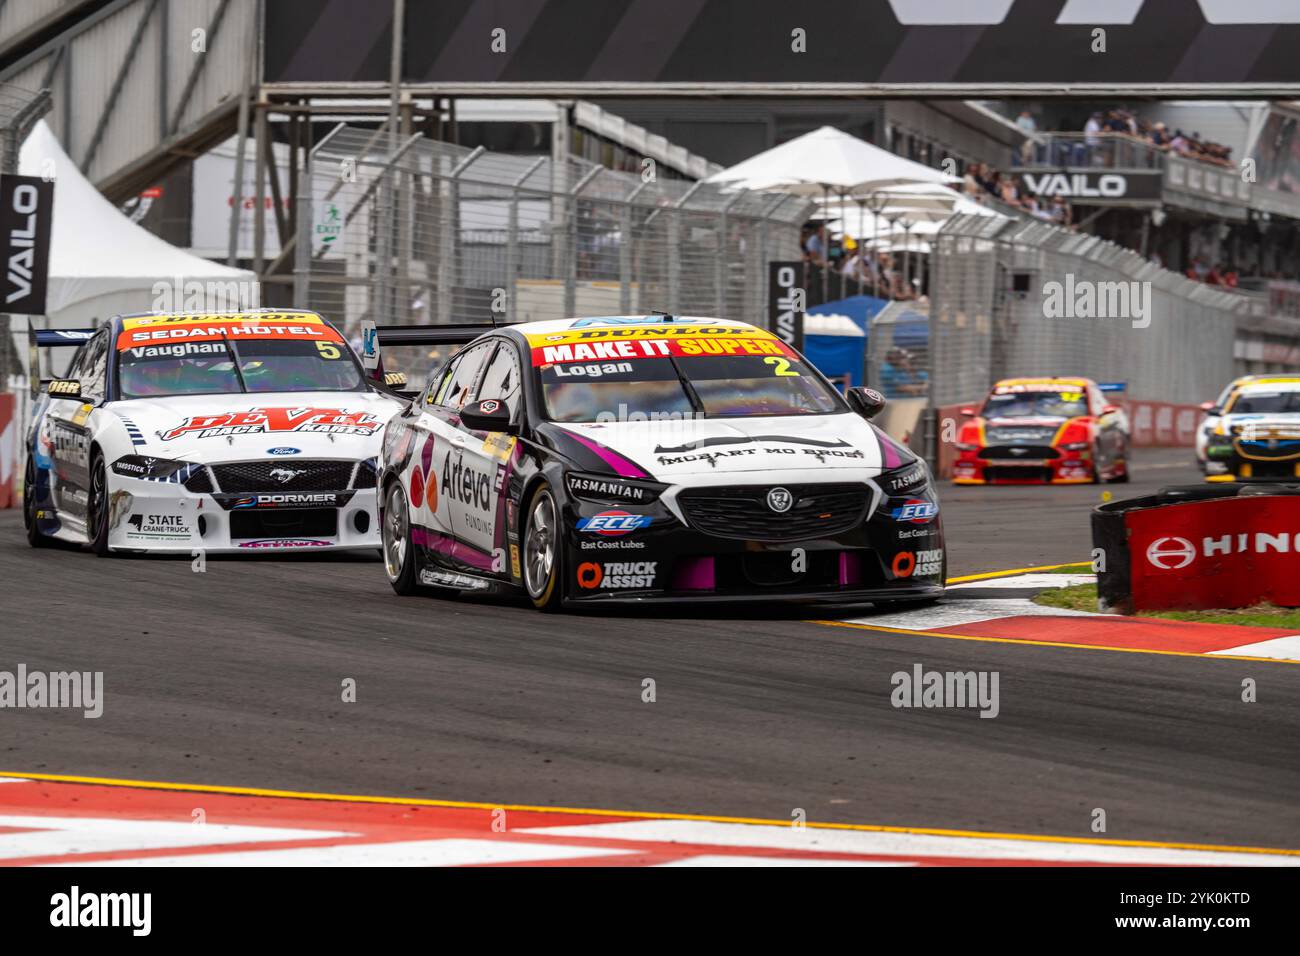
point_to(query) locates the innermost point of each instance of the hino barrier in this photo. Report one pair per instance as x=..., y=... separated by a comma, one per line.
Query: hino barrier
x=1199, y=547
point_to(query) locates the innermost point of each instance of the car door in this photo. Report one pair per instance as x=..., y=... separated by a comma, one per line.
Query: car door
x=70, y=433
x=1110, y=431
x=480, y=518
x=434, y=485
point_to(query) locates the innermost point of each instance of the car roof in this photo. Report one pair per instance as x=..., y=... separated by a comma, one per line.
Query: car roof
x=226, y=315
x=550, y=326
x=1045, y=380
x=1269, y=385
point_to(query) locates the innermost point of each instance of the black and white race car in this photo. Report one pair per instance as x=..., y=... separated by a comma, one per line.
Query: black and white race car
x=239, y=432
x=649, y=458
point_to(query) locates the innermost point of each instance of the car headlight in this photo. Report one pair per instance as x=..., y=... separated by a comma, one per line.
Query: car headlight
x=1076, y=446
x=967, y=446
x=608, y=489
x=906, y=480
x=141, y=466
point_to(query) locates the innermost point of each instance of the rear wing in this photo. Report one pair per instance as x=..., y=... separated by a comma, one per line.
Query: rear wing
x=375, y=337
x=38, y=339
x=1113, y=386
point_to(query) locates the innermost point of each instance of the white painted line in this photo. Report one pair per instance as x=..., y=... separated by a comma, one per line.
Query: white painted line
x=449, y=852
x=57, y=836
x=723, y=860
x=955, y=612
x=1029, y=581
x=1278, y=648
x=810, y=841
x=14, y=780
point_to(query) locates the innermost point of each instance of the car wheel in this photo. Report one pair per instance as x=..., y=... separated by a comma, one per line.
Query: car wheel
x=543, y=557
x=34, y=536
x=395, y=534
x=97, y=506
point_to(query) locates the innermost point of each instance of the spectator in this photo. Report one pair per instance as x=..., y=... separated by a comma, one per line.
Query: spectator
x=1092, y=131
x=899, y=375
x=1026, y=124
x=814, y=247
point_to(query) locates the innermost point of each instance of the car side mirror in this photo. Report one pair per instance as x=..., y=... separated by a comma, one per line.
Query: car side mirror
x=489, y=415
x=1211, y=409
x=64, y=388
x=867, y=402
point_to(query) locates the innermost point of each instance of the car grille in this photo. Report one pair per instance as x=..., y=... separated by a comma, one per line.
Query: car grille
x=251, y=476
x=1028, y=453
x=992, y=473
x=742, y=511
x=200, y=482
x=1008, y=435
x=1276, y=449
x=285, y=523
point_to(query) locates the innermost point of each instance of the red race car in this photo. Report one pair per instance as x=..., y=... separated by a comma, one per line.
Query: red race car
x=1058, y=431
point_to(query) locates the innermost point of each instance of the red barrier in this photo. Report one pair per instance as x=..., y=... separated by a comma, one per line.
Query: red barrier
x=10, y=443
x=1218, y=553
x=1162, y=424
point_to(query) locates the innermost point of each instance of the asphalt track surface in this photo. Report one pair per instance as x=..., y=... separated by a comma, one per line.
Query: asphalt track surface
x=233, y=677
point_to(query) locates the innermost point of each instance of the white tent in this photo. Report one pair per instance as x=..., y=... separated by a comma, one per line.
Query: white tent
x=824, y=160
x=102, y=264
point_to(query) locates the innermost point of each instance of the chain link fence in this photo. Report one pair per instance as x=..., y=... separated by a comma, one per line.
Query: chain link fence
x=1013, y=298
x=414, y=231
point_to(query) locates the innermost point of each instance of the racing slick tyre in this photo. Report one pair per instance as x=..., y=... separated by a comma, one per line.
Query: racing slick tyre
x=34, y=536
x=97, y=507
x=543, y=555
x=395, y=535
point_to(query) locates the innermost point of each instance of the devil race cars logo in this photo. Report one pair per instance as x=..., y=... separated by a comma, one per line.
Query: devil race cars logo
x=329, y=421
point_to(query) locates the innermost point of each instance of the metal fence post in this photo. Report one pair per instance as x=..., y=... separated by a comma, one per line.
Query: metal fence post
x=571, y=241
x=626, y=218
x=720, y=266
x=512, y=237
x=302, y=250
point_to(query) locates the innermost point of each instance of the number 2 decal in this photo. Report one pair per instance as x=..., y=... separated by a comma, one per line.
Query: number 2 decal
x=781, y=365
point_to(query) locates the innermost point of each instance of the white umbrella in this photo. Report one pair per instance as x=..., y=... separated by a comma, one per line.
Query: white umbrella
x=824, y=160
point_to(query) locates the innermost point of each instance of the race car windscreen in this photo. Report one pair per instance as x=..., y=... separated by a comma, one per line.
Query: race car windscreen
x=1041, y=404
x=1256, y=403
x=264, y=365
x=726, y=386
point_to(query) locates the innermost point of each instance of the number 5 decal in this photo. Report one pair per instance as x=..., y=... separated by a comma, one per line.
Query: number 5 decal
x=328, y=350
x=782, y=366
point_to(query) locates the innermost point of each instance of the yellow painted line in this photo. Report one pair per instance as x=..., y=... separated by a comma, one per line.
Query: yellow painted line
x=637, y=814
x=1081, y=647
x=1014, y=571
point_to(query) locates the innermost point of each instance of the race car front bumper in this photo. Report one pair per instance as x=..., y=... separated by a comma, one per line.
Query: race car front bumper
x=1251, y=461
x=719, y=545
x=1024, y=465
x=160, y=516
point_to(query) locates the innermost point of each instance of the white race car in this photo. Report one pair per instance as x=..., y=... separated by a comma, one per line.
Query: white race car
x=1214, y=410
x=235, y=432
x=1257, y=435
